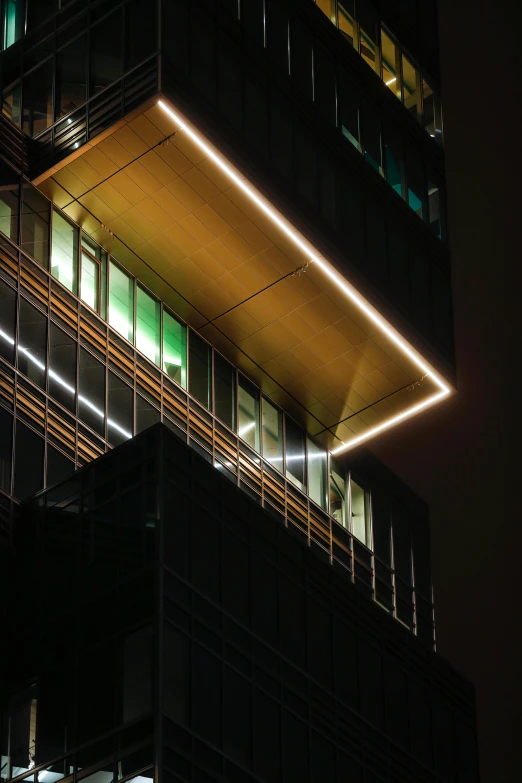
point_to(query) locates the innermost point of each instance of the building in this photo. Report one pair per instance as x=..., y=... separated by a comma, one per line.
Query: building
x=227, y=217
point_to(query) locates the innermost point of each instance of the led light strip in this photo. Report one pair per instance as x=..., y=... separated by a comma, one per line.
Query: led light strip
x=312, y=254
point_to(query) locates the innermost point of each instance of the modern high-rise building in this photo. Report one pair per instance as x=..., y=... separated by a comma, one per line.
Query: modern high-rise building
x=228, y=217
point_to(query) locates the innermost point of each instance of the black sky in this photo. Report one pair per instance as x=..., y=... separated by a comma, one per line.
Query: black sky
x=464, y=457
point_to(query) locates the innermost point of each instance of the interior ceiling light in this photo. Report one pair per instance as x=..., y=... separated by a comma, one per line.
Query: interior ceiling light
x=329, y=271
x=391, y=81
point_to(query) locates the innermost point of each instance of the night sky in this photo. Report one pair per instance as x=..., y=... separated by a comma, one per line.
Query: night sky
x=463, y=457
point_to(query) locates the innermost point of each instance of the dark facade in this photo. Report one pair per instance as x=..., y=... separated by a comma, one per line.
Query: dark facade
x=227, y=217
x=186, y=634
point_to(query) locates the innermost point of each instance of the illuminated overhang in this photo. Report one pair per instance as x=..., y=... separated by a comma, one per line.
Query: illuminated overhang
x=171, y=208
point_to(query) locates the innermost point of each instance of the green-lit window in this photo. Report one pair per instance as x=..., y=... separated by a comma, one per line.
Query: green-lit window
x=272, y=430
x=89, y=284
x=64, y=253
x=360, y=510
x=148, y=326
x=121, y=302
x=317, y=474
x=338, y=493
x=13, y=19
x=174, y=349
x=248, y=412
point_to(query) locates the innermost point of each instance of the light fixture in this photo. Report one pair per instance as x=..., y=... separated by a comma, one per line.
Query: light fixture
x=328, y=270
x=391, y=81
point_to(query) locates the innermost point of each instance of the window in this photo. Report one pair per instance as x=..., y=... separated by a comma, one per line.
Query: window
x=9, y=189
x=37, y=92
x=394, y=161
x=90, y=280
x=360, y=511
x=368, y=36
x=434, y=207
x=174, y=349
x=71, y=76
x=272, y=424
x=120, y=410
x=6, y=443
x=7, y=321
x=28, y=474
x=225, y=391
x=148, y=322
x=301, y=58
x=121, y=301
x=21, y=732
x=106, y=52
x=416, y=184
x=411, y=88
x=62, y=367
x=13, y=21
x=349, y=112
x=371, y=136
x=32, y=343
x=137, y=674
x=338, y=495
x=328, y=8
x=91, y=392
x=346, y=21
x=295, y=453
x=57, y=466
x=64, y=252
x=248, y=412
x=36, y=213
x=317, y=460
x=140, y=32
x=390, y=63
x=199, y=369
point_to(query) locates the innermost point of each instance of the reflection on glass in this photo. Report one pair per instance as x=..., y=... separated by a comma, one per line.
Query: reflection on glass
x=57, y=466
x=174, y=349
x=295, y=453
x=64, y=251
x=91, y=392
x=120, y=410
x=248, y=412
x=411, y=88
x=28, y=479
x=148, y=326
x=37, y=92
x=32, y=343
x=272, y=422
x=6, y=442
x=371, y=136
x=317, y=474
x=338, y=494
x=360, y=507
x=90, y=281
x=121, y=302
x=428, y=108
x=13, y=21
x=415, y=178
x=224, y=391
x=7, y=321
x=9, y=189
x=12, y=107
x=199, y=369
x=146, y=415
x=394, y=161
x=62, y=367
x=36, y=212
x=346, y=21
x=434, y=210
x=71, y=76
x=390, y=63
x=106, y=52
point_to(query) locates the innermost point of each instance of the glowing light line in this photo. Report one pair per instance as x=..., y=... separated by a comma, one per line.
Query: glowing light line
x=312, y=254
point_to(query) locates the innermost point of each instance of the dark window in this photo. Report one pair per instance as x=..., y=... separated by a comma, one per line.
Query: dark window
x=229, y=87
x=140, y=32
x=57, y=467
x=71, y=76
x=371, y=135
x=368, y=35
x=294, y=746
x=106, y=52
x=199, y=369
x=96, y=692
x=306, y=163
x=176, y=675
x=224, y=391
x=91, y=392
x=6, y=444
x=416, y=184
x=36, y=215
x=295, y=453
x=38, y=11
x=281, y=135
x=237, y=711
x=395, y=161
x=120, y=413
x=371, y=684
x=29, y=462
x=37, y=96
x=62, y=368
x=267, y=763
x=325, y=93
x=253, y=19
x=137, y=674
x=301, y=59
x=146, y=415
x=206, y=695
x=9, y=190
x=349, y=112
x=277, y=33
x=7, y=322
x=32, y=355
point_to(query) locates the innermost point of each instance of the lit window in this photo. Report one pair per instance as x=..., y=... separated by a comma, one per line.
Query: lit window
x=390, y=63
x=248, y=412
x=295, y=454
x=346, y=21
x=174, y=349
x=317, y=473
x=272, y=434
x=360, y=513
x=148, y=321
x=64, y=253
x=328, y=8
x=338, y=498
x=121, y=302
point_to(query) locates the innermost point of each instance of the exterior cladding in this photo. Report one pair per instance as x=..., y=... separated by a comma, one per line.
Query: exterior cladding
x=268, y=664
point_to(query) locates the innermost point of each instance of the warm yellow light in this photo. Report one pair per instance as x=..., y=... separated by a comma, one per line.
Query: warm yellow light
x=391, y=81
x=312, y=254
